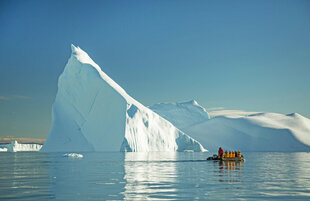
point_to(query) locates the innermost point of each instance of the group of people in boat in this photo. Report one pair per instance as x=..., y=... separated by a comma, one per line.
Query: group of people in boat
x=228, y=154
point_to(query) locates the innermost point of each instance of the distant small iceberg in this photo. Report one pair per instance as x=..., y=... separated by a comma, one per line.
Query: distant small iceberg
x=3, y=149
x=73, y=155
x=16, y=147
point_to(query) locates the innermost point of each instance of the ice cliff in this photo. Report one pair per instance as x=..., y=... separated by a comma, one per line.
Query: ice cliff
x=236, y=130
x=93, y=113
x=16, y=147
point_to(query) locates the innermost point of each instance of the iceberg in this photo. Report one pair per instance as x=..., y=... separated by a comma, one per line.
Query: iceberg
x=91, y=112
x=256, y=132
x=3, y=149
x=239, y=130
x=16, y=147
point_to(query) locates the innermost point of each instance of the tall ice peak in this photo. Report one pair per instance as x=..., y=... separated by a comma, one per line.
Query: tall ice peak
x=82, y=56
x=92, y=112
x=194, y=102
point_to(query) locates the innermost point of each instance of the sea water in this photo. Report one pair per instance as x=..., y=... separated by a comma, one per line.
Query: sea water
x=153, y=176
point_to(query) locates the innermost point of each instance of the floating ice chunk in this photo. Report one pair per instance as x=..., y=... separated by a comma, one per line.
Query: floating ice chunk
x=73, y=155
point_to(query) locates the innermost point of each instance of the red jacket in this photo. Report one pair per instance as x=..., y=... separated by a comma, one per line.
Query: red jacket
x=221, y=151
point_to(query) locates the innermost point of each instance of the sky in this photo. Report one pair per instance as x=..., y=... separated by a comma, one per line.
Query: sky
x=234, y=55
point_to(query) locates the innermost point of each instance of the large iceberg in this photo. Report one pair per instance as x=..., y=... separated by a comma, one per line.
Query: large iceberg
x=255, y=132
x=238, y=130
x=93, y=113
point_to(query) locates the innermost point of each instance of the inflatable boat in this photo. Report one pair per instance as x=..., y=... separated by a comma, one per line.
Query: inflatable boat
x=216, y=158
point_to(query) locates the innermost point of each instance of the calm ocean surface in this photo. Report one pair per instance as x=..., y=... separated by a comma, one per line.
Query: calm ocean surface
x=153, y=176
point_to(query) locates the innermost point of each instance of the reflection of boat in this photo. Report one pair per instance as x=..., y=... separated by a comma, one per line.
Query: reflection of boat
x=216, y=158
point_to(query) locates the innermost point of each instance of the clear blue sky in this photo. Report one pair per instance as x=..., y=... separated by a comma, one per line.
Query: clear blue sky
x=244, y=55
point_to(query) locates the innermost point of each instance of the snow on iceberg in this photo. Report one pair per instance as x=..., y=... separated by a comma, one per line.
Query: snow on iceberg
x=182, y=114
x=246, y=131
x=93, y=113
x=16, y=147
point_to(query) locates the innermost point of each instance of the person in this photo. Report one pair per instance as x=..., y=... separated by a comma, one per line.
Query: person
x=220, y=152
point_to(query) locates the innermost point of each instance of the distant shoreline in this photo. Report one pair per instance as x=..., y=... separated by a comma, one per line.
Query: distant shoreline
x=8, y=140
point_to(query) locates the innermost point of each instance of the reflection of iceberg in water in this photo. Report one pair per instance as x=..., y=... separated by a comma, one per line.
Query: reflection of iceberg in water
x=295, y=174
x=150, y=176
x=301, y=170
x=96, y=176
